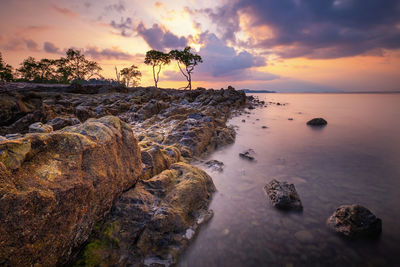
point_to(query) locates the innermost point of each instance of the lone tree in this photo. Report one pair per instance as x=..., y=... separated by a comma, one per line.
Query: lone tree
x=156, y=59
x=131, y=74
x=5, y=71
x=189, y=60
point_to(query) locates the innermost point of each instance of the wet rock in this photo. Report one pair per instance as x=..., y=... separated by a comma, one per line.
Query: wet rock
x=317, y=122
x=249, y=154
x=61, y=122
x=39, y=127
x=154, y=220
x=355, y=221
x=283, y=195
x=215, y=165
x=56, y=186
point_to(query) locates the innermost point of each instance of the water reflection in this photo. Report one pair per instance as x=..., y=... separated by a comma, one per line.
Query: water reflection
x=355, y=159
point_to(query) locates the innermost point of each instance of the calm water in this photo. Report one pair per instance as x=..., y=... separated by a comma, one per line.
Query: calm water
x=354, y=159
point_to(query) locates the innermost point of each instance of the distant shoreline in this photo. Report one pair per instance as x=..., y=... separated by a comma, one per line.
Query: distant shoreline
x=336, y=93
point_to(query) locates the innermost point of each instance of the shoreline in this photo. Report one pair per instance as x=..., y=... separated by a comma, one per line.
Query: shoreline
x=172, y=128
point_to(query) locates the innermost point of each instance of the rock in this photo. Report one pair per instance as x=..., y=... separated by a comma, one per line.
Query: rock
x=215, y=165
x=251, y=107
x=39, y=127
x=249, y=154
x=2, y=138
x=317, y=122
x=61, y=122
x=264, y=127
x=355, y=221
x=54, y=187
x=154, y=220
x=283, y=195
x=243, y=120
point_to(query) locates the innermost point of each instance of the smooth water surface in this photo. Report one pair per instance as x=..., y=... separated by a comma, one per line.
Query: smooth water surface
x=354, y=159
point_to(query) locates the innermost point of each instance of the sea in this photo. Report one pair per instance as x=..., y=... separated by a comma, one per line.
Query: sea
x=355, y=159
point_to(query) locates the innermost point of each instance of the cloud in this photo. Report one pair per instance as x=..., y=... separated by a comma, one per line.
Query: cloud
x=314, y=28
x=224, y=63
x=125, y=26
x=160, y=38
x=119, y=7
x=65, y=11
x=222, y=60
x=20, y=44
x=51, y=48
x=108, y=53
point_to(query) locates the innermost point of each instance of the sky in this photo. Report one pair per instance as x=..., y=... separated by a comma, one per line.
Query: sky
x=281, y=45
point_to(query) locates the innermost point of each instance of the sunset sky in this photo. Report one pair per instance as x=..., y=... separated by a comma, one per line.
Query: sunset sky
x=282, y=45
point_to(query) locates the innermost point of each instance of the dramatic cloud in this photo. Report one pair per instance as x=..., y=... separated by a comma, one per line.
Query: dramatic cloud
x=159, y=38
x=315, y=28
x=51, y=48
x=224, y=63
x=222, y=60
x=124, y=27
x=108, y=53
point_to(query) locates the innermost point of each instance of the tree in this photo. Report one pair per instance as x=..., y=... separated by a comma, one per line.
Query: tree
x=78, y=67
x=46, y=68
x=156, y=59
x=189, y=60
x=131, y=74
x=29, y=69
x=5, y=71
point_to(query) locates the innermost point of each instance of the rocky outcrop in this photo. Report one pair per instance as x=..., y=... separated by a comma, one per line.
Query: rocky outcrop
x=54, y=188
x=355, y=221
x=317, y=122
x=152, y=222
x=283, y=195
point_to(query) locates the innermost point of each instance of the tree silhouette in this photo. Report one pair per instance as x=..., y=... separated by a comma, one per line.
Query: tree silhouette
x=29, y=69
x=156, y=59
x=5, y=71
x=79, y=67
x=131, y=74
x=189, y=60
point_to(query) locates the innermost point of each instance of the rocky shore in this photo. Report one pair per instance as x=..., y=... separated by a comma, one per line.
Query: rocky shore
x=99, y=175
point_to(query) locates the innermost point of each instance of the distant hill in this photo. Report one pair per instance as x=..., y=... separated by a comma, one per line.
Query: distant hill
x=256, y=91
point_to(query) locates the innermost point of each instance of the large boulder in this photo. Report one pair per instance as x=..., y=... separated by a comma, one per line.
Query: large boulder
x=55, y=186
x=317, y=122
x=283, y=195
x=154, y=221
x=355, y=221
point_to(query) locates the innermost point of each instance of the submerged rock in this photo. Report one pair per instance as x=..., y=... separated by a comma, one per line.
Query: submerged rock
x=317, y=122
x=154, y=221
x=215, y=165
x=283, y=195
x=54, y=187
x=355, y=221
x=249, y=154
x=39, y=127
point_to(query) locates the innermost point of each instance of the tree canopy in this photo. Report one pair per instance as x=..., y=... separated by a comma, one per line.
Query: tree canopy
x=131, y=74
x=5, y=71
x=156, y=59
x=189, y=60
